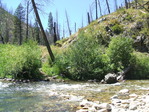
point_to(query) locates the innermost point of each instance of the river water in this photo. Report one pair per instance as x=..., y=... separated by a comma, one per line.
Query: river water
x=60, y=97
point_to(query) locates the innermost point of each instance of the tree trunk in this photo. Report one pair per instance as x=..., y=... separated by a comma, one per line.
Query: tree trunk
x=27, y=20
x=43, y=32
x=100, y=8
x=91, y=16
x=108, y=6
x=126, y=4
x=75, y=27
x=88, y=16
x=68, y=23
x=116, y=7
x=96, y=9
x=2, y=38
x=63, y=30
x=55, y=35
x=57, y=27
x=20, y=28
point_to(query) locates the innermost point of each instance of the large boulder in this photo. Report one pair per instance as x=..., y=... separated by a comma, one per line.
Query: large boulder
x=110, y=78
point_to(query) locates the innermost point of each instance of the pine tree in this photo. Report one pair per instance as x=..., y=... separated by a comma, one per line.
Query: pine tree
x=50, y=23
x=18, y=21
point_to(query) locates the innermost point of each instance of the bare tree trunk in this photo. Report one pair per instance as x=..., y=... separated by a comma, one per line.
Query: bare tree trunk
x=126, y=4
x=21, y=38
x=55, y=34
x=100, y=8
x=27, y=13
x=88, y=16
x=91, y=16
x=43, y=32
x=96, y=9
x=75, y=27
x=68, y=23
x=2, y=38
x=108, y=6
x=82, y=22
x=116, y=7
x=63, y=30
x=57, y=27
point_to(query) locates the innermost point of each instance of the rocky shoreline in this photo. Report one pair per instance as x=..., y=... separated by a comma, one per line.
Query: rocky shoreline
x=134, y=103
x=49, y=79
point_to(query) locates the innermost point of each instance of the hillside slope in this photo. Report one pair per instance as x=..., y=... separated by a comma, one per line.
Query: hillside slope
x=131, y=23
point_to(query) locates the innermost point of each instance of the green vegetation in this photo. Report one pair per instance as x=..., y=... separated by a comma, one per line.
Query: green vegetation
x=20, y=62
x=117, y=29
x=120, y=52
x=140, y=65
x=87, y=59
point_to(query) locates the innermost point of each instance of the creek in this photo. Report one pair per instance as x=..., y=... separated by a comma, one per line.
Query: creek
x=60, y=97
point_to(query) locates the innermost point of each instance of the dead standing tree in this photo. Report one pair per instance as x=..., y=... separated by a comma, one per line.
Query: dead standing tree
x=96, y=9
x=27, y=14
x=100, y=8
x=43, y=32
x=88, y=16
x=108, y=6
x=116, y=6
x=126, y=4
x=68, y=23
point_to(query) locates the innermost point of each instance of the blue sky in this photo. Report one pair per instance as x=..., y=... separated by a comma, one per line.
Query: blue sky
x=76, y=9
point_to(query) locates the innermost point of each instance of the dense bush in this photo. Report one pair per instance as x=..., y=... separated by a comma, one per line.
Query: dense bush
x=85, y=60
x=20, y=61
x=120, y=52
x=140, y=67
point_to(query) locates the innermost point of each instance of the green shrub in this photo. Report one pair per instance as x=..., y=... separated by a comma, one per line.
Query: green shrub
x=117, y=29
x=20, y=61
x=140, y=66
x=85, y=60
x=120, y=52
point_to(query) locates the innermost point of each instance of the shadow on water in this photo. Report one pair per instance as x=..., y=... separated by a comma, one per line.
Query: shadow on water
x=60, y=97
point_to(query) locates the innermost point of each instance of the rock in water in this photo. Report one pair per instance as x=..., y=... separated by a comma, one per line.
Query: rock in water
x=124, y=91
x=110, y=78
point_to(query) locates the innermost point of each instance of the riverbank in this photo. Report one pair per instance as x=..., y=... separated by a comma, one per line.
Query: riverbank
x=131, y=103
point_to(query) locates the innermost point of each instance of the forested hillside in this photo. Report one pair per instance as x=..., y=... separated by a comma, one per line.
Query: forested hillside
x=10, y=25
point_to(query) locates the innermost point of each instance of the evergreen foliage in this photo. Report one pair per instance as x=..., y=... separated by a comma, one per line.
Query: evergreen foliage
x=18, y=23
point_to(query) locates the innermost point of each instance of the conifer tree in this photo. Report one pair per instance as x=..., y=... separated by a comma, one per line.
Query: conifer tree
x=18, y=21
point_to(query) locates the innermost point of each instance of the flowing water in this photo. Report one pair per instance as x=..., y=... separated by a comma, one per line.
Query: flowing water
x=60, y=97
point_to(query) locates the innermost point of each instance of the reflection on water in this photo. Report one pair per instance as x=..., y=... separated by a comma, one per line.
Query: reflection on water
x=59, y=97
